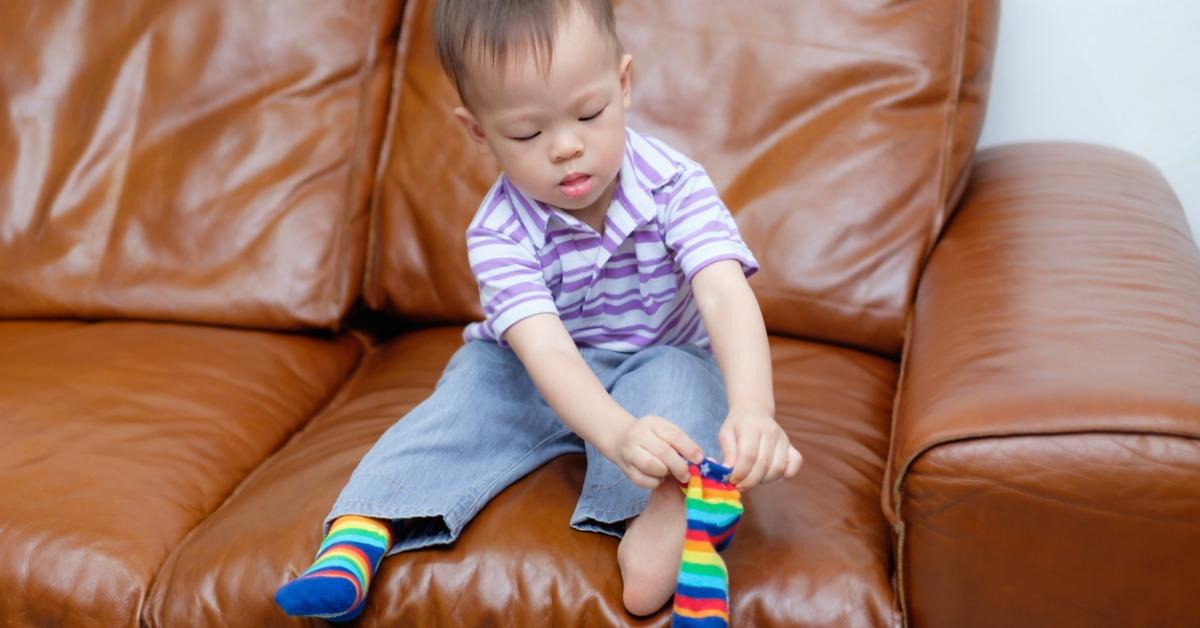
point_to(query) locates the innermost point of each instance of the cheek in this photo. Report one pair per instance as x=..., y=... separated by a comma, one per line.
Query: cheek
x=614, y=149
x=525, y=168
x=513, y=157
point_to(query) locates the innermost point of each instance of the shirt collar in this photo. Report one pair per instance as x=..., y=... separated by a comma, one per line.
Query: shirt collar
x=645, y=168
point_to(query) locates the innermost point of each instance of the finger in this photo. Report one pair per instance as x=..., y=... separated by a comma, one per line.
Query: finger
x=747, y=451
x=779, y=461
x=728, y=445
x=677, y=466
x=795, y=460
x=762, y=462
x=678, y=440
x=643, y=480
x=648, y=463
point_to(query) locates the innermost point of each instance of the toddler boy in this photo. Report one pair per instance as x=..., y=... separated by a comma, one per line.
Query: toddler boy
x=619, y=322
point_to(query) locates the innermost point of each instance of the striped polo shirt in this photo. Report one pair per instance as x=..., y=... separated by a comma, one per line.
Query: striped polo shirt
x=623, y=291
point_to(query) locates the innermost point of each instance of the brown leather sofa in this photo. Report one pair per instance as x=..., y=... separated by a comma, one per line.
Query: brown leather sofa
x=231, y=255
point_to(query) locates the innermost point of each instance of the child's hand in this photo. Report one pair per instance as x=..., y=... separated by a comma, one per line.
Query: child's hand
x=757, y=449
x=650, y=449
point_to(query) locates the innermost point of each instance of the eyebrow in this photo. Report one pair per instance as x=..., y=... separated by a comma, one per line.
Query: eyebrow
x=522, y=115
x=585, y=96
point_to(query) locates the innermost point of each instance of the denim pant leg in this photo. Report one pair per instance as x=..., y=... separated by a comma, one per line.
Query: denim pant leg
x=682, y=384
x=484, y=426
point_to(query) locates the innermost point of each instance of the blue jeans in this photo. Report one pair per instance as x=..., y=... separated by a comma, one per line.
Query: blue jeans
x=485, y=426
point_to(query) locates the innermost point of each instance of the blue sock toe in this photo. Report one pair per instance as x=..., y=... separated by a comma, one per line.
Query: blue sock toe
x=317, y=596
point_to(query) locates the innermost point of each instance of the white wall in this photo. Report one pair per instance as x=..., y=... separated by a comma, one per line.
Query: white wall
x=1119, y=72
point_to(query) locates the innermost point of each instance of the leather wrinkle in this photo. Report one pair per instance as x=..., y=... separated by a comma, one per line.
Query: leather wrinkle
x=105, y=261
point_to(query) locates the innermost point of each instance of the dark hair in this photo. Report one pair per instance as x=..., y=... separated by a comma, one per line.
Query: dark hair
x=487, y=31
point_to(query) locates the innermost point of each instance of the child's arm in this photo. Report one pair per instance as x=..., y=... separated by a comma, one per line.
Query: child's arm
x=751, y=440
x=647, y=450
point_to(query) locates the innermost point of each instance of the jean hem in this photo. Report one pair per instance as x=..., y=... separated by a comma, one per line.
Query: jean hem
x=597, y=520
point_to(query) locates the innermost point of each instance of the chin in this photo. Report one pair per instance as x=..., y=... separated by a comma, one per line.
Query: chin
x=575, y=204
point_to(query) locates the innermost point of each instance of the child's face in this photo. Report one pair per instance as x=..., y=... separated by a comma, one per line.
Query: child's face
x=560, y=135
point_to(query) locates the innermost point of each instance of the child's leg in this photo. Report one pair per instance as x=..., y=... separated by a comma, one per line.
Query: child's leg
x=336, y=584
x=692, y=523
x=683, y=385
x=484, y=427
x=649, y=552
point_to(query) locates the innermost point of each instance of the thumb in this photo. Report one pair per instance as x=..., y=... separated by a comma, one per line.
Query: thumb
x=728, y=445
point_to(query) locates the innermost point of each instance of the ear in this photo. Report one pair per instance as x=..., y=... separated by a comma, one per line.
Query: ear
x=626, y=71
x=471, y=125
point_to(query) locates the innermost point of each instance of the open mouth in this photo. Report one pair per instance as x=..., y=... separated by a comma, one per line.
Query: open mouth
x=575, y=185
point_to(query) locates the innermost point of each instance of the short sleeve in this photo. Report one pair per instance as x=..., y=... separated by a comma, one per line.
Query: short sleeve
x=699, y=228
x=511, y=284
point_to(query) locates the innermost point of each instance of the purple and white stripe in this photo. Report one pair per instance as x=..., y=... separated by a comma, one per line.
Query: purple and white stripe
x=624, y=291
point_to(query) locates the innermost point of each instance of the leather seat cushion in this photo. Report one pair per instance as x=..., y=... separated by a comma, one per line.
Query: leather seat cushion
x=811, y=551
x=116, y=439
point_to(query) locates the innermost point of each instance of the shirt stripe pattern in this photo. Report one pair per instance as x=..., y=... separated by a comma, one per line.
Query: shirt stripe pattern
x=623, y=291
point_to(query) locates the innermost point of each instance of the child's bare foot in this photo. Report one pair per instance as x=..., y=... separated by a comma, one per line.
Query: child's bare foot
x=649, y=553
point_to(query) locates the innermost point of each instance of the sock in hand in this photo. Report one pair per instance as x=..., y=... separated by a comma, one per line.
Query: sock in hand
x=714, y=508
x=335, y=586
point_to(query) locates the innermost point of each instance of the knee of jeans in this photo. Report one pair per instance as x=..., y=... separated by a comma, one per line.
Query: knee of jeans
x=680, y=386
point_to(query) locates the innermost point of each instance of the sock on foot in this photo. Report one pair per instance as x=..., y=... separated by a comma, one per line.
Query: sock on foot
x=714, y=508
x=335, y=586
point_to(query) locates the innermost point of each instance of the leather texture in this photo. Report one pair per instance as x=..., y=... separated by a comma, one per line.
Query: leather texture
x=118, y=438
x=813, y=551
x=232, y=255
x=190, y=161
x=838, y=133
x=1047, y=436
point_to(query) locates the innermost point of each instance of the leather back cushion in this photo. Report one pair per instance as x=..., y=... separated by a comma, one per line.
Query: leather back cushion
x=199, y=160
x=839, y=134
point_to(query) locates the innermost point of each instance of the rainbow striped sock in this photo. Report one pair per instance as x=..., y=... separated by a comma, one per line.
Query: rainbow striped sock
x=335, y=586
x=714, y=508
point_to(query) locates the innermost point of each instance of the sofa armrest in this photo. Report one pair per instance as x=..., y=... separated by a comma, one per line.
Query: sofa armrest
x=1045, y=455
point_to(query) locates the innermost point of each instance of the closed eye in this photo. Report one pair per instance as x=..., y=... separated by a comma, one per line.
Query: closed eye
x=526, y=138
x=594, y=115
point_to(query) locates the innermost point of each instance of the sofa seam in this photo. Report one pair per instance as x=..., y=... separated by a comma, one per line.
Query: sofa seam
x=897, y=524
x=320, y=409
x=950, y=120
x=341, y=266
x=369, y=290
x=947, y=159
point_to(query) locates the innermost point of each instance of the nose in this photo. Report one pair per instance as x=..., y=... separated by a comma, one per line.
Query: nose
x=566, y=146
